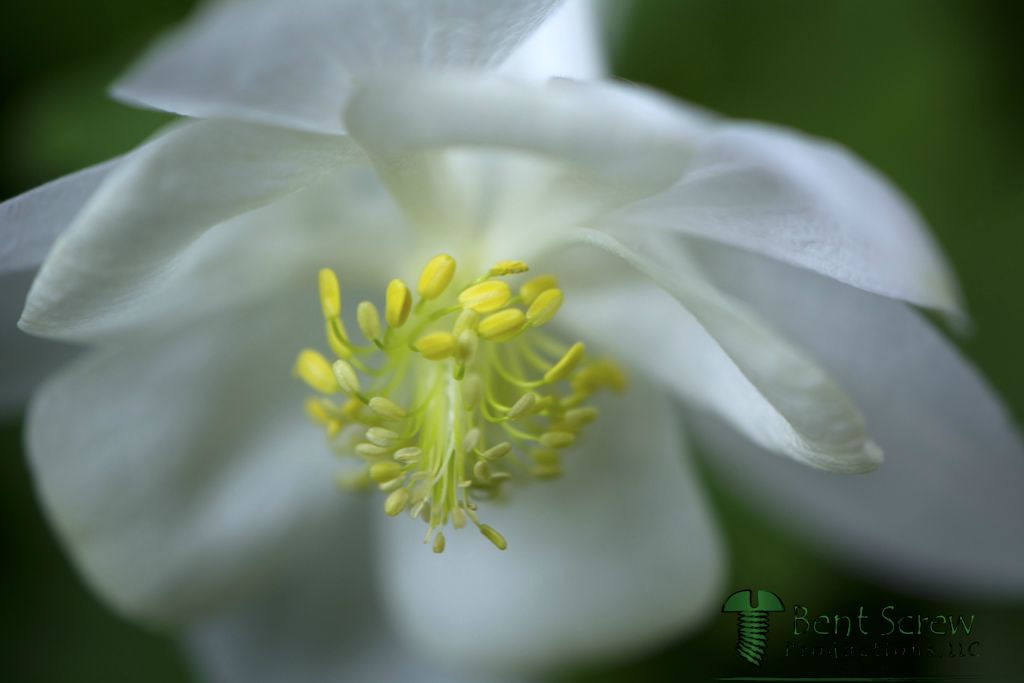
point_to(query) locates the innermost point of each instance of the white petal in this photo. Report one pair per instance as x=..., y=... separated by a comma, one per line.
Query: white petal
x=619, y=554
x=567, y=45
x=320, y=623
x=160, y=200
x=29, y=223
x=344, y=220
x=944, y=510
x=294, y=63
x=808, y=203
x=180, y=471
x=715, y=353
x=601, y=144
x=24, y=360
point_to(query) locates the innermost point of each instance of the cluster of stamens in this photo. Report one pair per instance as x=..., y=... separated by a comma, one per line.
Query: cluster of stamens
x=453, y=396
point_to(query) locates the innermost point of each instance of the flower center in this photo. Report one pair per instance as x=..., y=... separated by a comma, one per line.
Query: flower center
x=453, y=397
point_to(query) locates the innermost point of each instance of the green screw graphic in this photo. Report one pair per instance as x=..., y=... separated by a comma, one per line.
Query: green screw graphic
x=753, y=622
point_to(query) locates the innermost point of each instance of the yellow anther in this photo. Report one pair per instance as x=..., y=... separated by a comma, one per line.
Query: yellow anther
x=397, y=303
x=317, y=411
x=368, y=319
x=566, y=364
x=502, y=325
x=470, y=440
x=436, y=345
x=494, y=537
x=557, y=439
x=532, y=289
x=351, y=408
x=330, y=293
x=408, y=455
x=391, y=484
x=546, y=471
x=436, y=276
x=546, y=457
x=508, y=268
x=466, y=321
x=385, y=407
x=523, y=406
x=372, y=450
x=396, y=501
x=601, y=374
x=337, y=338
x=544, y=306
x=587, y=380
x=486, y=296
x=466, y=346
x=497, y=452
x=444, y=447
x=382, y=437
x=347, y=378
x=358, y=480
x=578, y=417
x=481, y=470
x=315, y=371
x=614, y=376
x=385, y=471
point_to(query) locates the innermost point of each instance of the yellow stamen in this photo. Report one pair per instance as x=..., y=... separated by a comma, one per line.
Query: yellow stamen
x=369, y=320
x=358, y=480
x=396, y=502
x=460, y=395
x=508, y=268
x=337, y=338
x=347, y=378
x=494, y=537
x=497, y=452
x=317, y=411
x=397, y=303
x=408, y=455
x=544, y=307
x=524, y=406
x=501, y=325
x=467, y=320
x=598, y=376
x=436, y=276
x=566, y=364
x=382, y=437
x=316, y=372
x=386, y=408
x=436, y=345
x=557, y=439
x=486, y=297
x=546, y=457
x=529, y=291
x=466, y=347
x=385, y=470
x=578, y=417
x=330, y=294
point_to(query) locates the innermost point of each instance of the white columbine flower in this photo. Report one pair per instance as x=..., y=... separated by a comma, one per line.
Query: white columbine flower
x=362, y=150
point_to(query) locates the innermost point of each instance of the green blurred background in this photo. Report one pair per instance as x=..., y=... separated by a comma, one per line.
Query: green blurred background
x=929, y=91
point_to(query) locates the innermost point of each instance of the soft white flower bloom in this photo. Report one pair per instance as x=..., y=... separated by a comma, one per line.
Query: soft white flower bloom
x=759, y=275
